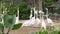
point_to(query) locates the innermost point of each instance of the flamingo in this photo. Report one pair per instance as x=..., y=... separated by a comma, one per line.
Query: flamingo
x=29, y=22
x=17, y=18
x=48, y=19
x=32, y=20
x=43, y=24
x=31, y=14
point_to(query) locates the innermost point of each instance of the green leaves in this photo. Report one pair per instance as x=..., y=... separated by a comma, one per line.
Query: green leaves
x=1, y=27
x=24, y=11
x=9, y=20
x=48, y=3
x=9, y=17
x=47, y=32
x=0, y=0
x=0, y=18
x=12, y=10
x=0, y=7
x=17, y=26
x=41, y=32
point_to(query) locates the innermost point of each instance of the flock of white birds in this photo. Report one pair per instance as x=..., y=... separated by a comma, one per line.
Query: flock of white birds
x=36, y=20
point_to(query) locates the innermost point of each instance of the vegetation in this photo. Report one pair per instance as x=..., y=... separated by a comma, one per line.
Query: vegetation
x=0, y=6
x=9, y=18
x=47, y=32
x=48, y=4
x=24, y=11
x=9, y=23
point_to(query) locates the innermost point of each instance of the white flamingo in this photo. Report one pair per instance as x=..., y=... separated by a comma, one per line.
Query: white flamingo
x=17, y=18
x=43, y=24
x=31, y=14
x=48, y=19
x=33, y=20
x=29, y=22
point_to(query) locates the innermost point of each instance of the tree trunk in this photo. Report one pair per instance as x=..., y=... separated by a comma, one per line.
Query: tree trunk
x=38, y=4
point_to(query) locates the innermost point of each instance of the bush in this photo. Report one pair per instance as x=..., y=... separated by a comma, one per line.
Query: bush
x=24, y=11
x=47, y=32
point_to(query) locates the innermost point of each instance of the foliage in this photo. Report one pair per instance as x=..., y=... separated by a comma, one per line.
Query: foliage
x=0, y=6
x=24, y=11
x=48, y=3
x=57, y=10
x=9, y=18
x=42, y=32
x=0, y=18
x=47, y=32
x=51, y=30
x=9, y=22
x=1, y=27
x=12, y=10
x=17, y=26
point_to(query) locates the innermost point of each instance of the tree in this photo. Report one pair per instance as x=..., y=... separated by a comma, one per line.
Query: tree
x=48, y=3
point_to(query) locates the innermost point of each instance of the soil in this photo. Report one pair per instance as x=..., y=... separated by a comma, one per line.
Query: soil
x=28, y=30
x=25, y=30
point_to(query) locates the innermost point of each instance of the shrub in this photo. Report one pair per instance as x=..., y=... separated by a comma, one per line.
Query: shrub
x=47, y=32
x=24, y=11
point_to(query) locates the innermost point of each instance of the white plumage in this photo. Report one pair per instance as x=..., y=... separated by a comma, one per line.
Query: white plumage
x=43, y=24
x=29, y=22
x=31, y=14
x=38, y=21
x=49, y=20
x=17, y=20
x=32, y=20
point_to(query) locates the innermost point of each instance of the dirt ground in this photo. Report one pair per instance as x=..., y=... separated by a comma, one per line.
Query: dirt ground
x=25, y=30
x=28, y=30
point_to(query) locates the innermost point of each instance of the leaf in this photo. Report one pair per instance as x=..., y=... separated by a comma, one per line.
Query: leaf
x=17, y=26
x=9, y=20
x=1, y=27
x=36, y=33
x=0, y=7
x=58, y=32
x=0, y=18
x=0, y=0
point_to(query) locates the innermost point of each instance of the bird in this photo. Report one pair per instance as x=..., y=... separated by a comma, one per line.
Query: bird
x=17, y=20
x=43, y=24
x=31, y=14
x=29, y=22
x=50, y=21
x=33, y=20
